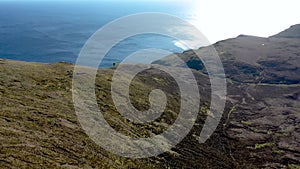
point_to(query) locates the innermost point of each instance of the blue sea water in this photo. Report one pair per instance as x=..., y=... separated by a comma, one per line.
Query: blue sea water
x=54, y=31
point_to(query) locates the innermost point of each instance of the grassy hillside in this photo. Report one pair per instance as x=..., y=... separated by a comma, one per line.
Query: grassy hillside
x=39, y=127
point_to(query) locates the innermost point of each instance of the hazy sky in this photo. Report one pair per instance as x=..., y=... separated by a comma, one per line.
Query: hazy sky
x=221, y=19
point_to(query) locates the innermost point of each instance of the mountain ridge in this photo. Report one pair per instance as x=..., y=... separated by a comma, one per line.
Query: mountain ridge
x=291, y=32
x=250, y=59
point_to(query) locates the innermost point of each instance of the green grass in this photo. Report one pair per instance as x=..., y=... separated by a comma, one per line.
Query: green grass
x=246, y=122
x=293, y=166
x=39, y=127
x=261, y=145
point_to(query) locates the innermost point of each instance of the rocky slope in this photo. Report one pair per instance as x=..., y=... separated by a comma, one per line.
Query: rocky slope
x=263, y=77
x=250, y=59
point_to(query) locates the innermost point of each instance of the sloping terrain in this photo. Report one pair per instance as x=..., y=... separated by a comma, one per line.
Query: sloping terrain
x=266, y=120
x=263, y=83
x=39, y=127
x=250, y=59
x=292, y=32
x=259, y=129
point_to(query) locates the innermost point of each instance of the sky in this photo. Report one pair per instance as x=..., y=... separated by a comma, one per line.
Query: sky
x=222, y=19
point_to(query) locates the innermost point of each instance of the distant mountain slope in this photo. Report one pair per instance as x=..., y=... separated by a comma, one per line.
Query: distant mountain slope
x=292, y=32
x=251, y=59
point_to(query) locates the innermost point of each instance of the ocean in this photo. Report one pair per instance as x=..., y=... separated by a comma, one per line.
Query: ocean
x=55, y=31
